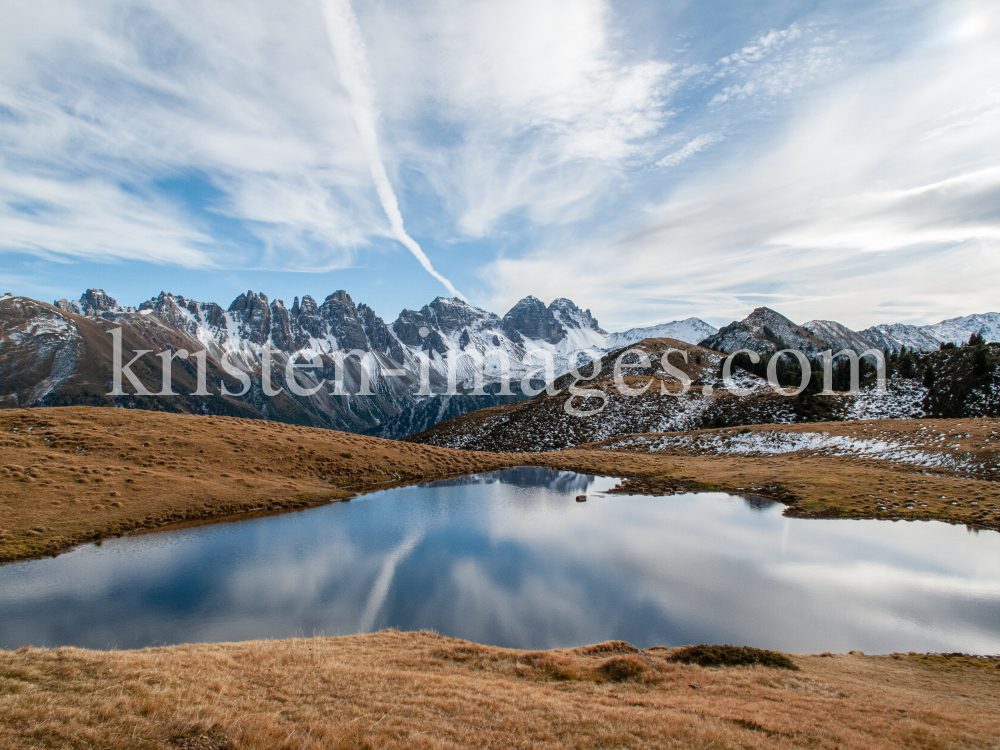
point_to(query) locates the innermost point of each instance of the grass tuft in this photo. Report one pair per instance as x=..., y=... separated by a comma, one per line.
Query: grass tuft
x=732, y=656
x=621, y=668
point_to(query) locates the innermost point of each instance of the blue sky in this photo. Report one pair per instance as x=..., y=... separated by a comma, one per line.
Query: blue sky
x=649, y=160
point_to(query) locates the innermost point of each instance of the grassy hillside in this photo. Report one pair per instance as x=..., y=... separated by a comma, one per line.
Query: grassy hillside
x=421, y=690
x=77, y=474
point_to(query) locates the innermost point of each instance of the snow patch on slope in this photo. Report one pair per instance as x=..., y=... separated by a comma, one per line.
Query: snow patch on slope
x=772, y=443
x=689, y=330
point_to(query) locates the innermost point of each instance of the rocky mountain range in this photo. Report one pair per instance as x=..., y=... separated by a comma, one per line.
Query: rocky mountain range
x=927, y=338
x=60, y=353
x=765, y=331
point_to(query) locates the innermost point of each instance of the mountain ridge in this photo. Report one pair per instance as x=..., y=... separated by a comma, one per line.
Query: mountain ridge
x=45, y=359
x=43, y=351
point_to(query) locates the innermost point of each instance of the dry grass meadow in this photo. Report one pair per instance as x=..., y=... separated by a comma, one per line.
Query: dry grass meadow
x=823, y=486
x=420, y=690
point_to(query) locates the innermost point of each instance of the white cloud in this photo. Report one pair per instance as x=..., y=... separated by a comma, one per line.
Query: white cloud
x=93, y=219
x=760, y=48
x=766, y=69
x=543, y=110
x=877, y=201
x=123, y=96
x=692, y=147
x=539, y=109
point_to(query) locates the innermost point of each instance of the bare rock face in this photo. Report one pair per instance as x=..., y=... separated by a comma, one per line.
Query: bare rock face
x=339, y=311
x=417, y=329
x=530, y=318
x=254, y=314
x=379, y=336
x=571, y=316
x=281, y=326
x=93, y=302
x=172, y=309
x=426, y=328
x=96, y=301
x=308, y=320
x=213, y=314
x=452, y=315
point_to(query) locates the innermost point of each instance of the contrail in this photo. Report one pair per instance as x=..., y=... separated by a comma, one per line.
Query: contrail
x=376, y=598
x=355, y=76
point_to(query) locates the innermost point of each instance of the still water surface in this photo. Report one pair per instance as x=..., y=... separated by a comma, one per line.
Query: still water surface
x=511, y=559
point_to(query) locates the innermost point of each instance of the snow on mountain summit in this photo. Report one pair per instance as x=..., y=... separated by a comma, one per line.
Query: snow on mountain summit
x=764, y=331
x=925, y=338
x=958, y=330
x=689, y=330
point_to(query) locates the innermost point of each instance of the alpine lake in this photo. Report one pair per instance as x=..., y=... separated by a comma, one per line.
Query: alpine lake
x=513, y=558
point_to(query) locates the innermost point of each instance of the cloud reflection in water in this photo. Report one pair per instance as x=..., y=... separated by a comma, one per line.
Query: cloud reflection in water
x=511, y=559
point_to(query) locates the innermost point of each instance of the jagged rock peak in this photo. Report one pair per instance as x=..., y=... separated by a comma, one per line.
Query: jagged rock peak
x=531, y=318
x=247, y=302
x=93, y=302
x=307, y=307
x=339, y=307
x=339, y=310
x=452, y=314
x=571, y=316
x=379, y=336
x=97, y=300
x=341, y=297
x=445, y=315
x=255, y=314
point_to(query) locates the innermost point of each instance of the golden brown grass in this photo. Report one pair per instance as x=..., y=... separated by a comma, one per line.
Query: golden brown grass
x=420, y=690
x=75, y=474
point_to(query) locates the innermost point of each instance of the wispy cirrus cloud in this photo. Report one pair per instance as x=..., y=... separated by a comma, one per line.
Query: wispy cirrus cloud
x=539, y=107
x=125, y=96
x=877, y=199
x=91, y=218
x=771, y=65
x=502, y=107
x=758, y=49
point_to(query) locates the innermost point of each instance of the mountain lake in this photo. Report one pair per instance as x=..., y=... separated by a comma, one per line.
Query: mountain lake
x=511, y=558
